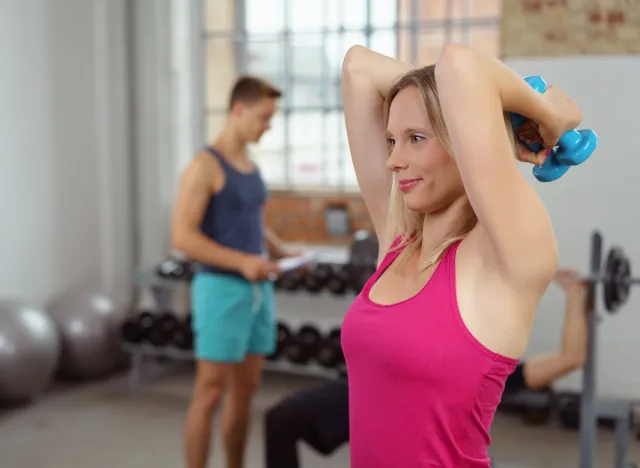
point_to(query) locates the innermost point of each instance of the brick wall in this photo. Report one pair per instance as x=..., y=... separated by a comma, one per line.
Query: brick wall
x=300, y=217
x=430, y=40
x=570, y=27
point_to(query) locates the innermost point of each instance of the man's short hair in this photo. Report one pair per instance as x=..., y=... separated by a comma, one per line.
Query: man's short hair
x=249, y=90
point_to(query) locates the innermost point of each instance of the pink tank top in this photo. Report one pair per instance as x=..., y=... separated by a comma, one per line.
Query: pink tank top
x=423, y=390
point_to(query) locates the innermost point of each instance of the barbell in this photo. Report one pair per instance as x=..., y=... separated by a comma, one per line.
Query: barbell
x=616, y=279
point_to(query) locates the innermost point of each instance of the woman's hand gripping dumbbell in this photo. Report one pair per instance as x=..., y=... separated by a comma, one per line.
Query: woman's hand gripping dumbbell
x=565, y=148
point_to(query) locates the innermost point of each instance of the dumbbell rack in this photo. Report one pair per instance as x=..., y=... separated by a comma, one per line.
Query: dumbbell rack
x=145, y=357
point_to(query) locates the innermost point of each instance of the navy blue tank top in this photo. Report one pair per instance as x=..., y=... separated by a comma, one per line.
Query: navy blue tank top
x=234, y=216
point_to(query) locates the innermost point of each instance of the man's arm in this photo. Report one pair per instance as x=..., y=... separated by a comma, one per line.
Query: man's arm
x=193, y=196
x=541, y=371
x=274, y=244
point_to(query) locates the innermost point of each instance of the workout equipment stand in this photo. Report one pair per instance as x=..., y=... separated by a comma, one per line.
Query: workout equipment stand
x=591, y=407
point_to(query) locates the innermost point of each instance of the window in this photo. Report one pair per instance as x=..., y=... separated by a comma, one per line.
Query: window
x=299, y=46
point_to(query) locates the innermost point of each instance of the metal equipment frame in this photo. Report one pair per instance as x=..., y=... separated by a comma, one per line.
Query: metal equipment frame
x=590, y=406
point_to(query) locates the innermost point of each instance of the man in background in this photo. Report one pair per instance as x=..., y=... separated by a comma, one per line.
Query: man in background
x=218, y=223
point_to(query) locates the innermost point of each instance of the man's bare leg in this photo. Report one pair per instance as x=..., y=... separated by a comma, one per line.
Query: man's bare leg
x=236, y=413
x=542, y=371
x=211, y=380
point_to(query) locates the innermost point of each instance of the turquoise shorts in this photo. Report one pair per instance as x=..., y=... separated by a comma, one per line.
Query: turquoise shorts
x=232, y=317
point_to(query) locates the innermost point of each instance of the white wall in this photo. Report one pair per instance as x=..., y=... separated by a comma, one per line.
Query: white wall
x=100, y=104
x=63, y=183
x=115, y=144
x=188, y=93
x=169, y=112
x=599, y=194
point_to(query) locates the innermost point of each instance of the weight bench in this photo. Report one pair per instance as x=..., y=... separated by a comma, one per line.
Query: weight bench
x=530, y=399
x=534, y=406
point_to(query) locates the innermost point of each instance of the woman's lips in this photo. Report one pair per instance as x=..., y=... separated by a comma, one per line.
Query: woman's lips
x=407, y=184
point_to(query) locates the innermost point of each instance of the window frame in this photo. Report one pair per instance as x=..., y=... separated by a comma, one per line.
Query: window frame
x=406, y=32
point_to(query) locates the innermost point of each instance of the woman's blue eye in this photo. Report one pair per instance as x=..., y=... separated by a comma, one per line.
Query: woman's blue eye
x=416, y=138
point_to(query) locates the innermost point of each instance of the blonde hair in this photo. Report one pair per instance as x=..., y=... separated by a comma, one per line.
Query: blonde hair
x=403, y=223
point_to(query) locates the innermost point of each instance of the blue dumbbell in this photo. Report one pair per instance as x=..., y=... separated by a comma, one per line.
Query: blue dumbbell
x=574, y=147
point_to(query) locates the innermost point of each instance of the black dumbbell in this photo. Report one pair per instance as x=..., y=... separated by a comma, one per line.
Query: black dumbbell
x=283, y=335
x=146, y=321
x=175, y=270
x=329, y=352
x=182, y=338
x=338, y=282
x=153, y=328
x=290, y=281
x=166, y=324
x=569, y=412
x=316, y=278
x=131, y=330
x=182, y=335
x=302, y=346
x=310, y=337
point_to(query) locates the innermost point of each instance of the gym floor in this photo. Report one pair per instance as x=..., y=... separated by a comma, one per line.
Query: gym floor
x=108, y=424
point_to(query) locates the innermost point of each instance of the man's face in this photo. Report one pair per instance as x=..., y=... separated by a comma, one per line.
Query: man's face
x=255, y=119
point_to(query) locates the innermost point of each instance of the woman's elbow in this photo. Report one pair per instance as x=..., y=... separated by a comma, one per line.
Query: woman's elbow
x=353, y=59
x=456, y=58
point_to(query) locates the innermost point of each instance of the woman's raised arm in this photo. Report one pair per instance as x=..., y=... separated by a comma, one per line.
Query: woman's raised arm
x=366, y=79
x=475, y=91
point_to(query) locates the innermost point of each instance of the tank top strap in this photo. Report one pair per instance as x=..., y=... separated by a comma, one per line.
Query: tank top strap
x=447, y=265
x=446, y=270
x=449, y=257
x=392, y=253
x=218, y=155
x=390, y=256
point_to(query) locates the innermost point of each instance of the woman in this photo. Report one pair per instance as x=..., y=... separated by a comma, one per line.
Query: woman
x=466, y=251
x=319, y=414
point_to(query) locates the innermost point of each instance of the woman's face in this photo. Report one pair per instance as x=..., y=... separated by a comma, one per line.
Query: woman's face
x=427, y=175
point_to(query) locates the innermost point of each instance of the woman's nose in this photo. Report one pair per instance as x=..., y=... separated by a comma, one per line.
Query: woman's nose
x=395, y=162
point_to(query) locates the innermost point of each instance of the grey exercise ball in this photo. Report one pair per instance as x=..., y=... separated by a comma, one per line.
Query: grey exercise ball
x=89, y=324
x=29, y=351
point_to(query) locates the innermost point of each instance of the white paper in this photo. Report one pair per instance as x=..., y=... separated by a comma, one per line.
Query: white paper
x=293, y=263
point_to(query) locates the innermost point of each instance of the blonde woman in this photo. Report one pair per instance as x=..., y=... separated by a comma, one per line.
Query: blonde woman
x=467, y=250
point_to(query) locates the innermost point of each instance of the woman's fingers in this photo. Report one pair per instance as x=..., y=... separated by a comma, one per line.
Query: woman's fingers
x=541, y=156
x=537, y=159
x=529, y=132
